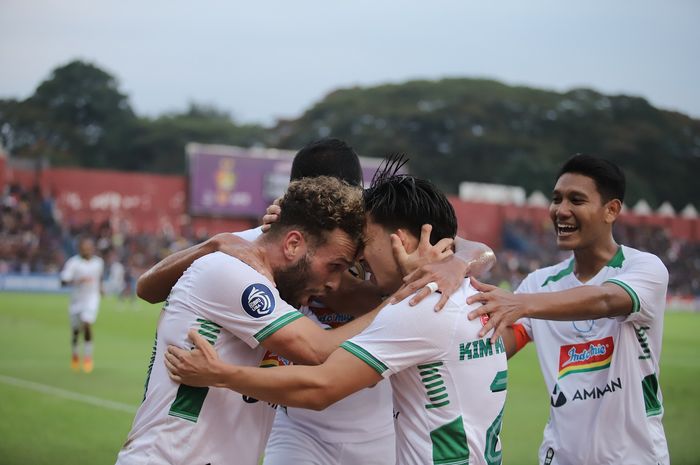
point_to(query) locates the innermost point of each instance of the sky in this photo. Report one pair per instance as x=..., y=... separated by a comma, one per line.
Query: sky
x=266, y=60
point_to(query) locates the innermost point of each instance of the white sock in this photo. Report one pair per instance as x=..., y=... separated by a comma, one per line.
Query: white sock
x=87, y=349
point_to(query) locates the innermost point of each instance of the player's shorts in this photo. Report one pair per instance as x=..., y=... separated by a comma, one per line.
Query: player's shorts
x=291, y=443
x=85, y=313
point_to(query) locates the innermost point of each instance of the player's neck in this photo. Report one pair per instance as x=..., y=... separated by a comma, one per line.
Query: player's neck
x=260, y=258
x=590, y=260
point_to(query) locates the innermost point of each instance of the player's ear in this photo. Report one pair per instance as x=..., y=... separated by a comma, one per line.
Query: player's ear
x=612, y=210
x=294, y=245
x=409, y=241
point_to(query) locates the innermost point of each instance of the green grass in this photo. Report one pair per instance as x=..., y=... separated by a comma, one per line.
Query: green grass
x=43, y=428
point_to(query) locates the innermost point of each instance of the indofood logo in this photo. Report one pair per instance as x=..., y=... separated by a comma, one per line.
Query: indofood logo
x=257, y=300
x=587, y=356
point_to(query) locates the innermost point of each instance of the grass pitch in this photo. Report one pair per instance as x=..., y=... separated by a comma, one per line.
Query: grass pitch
x=51, y=415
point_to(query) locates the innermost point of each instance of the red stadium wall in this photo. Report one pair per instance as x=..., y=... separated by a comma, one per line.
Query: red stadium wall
x=149, y=203
x=156, y=203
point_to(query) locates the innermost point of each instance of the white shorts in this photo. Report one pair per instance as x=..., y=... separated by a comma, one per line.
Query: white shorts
x=86, y=315
x=291, y=444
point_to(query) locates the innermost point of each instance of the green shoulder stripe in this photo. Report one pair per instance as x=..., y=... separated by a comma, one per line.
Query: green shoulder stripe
x=365, y=356
x=279, y=323
x=630, y=291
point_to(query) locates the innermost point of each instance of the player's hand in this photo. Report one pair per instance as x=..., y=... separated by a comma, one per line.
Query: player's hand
x=242, y=249
x=502, y=307
x=425, y=252
x=272, y=214
x=430, y=264
x=197, y=367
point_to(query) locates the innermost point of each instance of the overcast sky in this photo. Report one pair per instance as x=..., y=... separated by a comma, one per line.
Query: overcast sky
x=264, y=60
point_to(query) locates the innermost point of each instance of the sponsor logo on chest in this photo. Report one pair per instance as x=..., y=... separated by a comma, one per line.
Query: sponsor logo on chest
x=558, y=398
x=586, y=356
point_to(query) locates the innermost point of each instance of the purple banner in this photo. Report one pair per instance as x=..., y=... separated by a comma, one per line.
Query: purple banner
x=236, y=182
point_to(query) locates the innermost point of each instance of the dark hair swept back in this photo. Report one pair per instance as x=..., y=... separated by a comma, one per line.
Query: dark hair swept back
x=404, y=201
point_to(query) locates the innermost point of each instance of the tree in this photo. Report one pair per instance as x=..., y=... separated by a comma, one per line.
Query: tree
x=76, y=116
x=458, y=130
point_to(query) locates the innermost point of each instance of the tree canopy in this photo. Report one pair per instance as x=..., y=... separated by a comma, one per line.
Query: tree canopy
x=453, y=130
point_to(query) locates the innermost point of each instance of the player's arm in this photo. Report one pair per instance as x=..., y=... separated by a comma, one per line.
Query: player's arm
x=155, y=284
x=469, y=259
x=580, y=303
x=303, y=341
x=295, y=386
x=68, y=272
x=514, y=339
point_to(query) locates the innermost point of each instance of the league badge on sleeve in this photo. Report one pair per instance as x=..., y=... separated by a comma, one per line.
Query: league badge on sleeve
x=258, y=300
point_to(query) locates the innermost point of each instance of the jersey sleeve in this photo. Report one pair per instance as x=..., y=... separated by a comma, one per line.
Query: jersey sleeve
x=242, y=301
x=645, y=278
x=401, y=336
x=526, y=287
x=68, y=271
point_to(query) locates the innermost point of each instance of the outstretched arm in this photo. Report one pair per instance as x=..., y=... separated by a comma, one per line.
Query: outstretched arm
x=580, y=303
x=295, y=386
x=155, y=284
x=303, y=341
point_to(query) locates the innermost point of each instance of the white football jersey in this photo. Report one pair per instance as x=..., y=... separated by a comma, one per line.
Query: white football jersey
x=449, y=385
x=86, y=295
x=603, y=375
x=235, y=308
x=362, y=416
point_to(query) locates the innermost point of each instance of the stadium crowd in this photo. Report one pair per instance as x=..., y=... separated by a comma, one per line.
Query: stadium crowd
x=35, y=238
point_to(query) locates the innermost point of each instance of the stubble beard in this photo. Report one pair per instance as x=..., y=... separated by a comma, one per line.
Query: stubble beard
x=292, y=281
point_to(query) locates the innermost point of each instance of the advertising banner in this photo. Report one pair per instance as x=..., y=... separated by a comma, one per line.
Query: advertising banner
x=227, y=181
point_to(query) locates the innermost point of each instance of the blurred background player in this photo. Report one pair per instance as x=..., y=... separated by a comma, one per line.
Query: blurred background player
x=83, y=272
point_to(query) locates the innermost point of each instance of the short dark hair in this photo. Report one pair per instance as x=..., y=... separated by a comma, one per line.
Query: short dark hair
x=404, y=201
x=609, y=179
x=328, y=157
x=317, y=206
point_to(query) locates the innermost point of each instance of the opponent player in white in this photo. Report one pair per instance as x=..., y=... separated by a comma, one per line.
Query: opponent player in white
x=359, y=429
x=602, y=369
x=241, y=312
x=449, y=385
x=83, y=272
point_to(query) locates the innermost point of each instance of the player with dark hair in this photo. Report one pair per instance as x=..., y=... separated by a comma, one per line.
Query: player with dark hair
x=328, y=157
x=449, y=385
x=596, y=319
